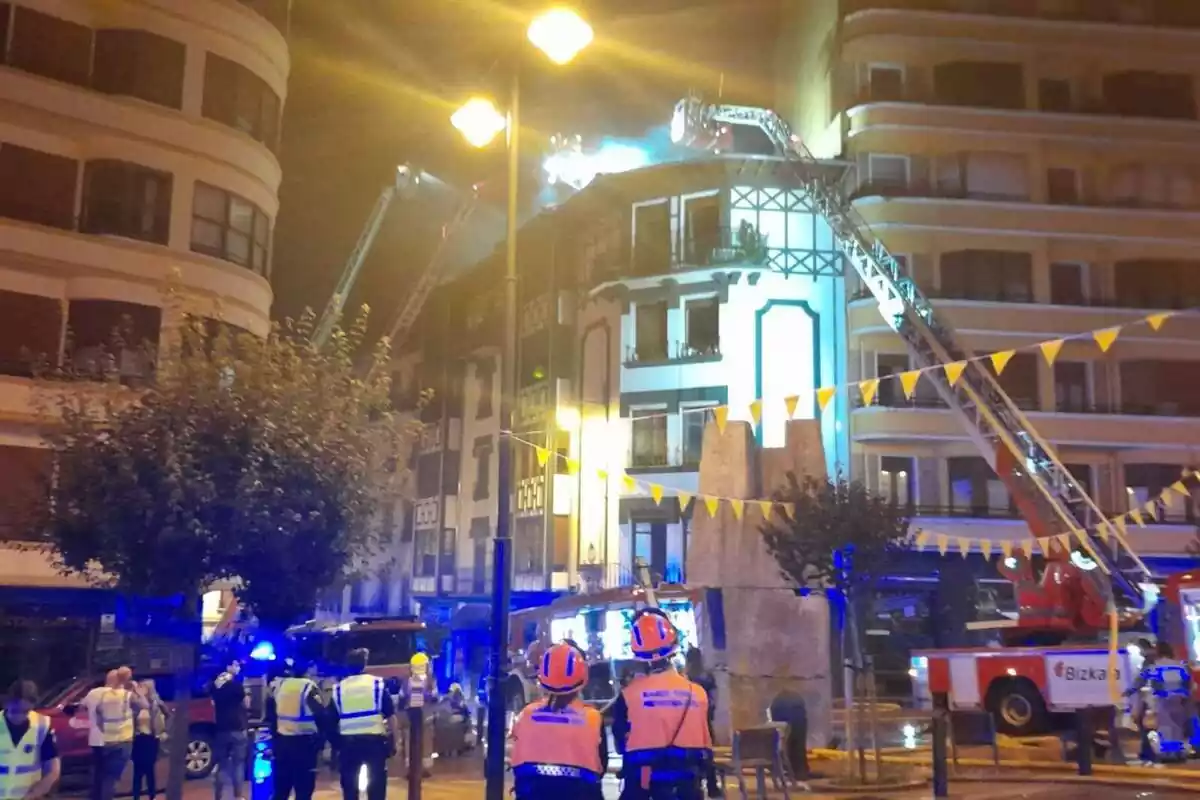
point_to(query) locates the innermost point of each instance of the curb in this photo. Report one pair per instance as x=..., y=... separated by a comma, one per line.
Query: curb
x=825, y=786
x=1084, y=780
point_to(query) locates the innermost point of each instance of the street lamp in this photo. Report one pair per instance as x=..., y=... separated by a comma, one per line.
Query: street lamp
x=561, y=34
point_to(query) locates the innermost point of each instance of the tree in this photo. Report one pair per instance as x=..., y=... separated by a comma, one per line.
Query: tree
x=840, y=539
x=259, y=461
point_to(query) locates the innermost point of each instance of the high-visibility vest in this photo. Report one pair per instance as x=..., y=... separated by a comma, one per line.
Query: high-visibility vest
x=115, y=712
x=562, y=743
x=359, y=703
x=21, y=764
x=291, y=707
x=668, y=715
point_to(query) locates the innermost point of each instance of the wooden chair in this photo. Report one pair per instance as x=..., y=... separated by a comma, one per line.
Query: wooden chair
x=761, y=749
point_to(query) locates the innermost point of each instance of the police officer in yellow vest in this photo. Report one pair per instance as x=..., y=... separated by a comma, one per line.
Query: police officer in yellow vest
x=296, y=716
x=29, y=764
x=366, y=720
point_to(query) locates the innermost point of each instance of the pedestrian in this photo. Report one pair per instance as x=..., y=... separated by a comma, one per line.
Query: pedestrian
x=29, y=763
x=1172, y=695
x=111, y=709
x=230, y=744
x=698, y=674
x=1141, y=693
x=149, y=726
x=296, y=717
x=660, y=720
x=559, y=748
x=366, y=722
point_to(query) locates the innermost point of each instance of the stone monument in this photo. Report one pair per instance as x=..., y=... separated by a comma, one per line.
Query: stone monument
x=773, y=639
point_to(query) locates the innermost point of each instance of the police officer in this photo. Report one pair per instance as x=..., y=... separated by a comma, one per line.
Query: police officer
x=295, y=715
x=660, y=720
x=29, y=763
x=559, y=749
x=366, y=721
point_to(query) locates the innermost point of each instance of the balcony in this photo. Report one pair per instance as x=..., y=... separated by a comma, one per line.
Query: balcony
x=675, y=353
x=1164, y=13
x=599, y=577
x=663, y=459
x=657, y=253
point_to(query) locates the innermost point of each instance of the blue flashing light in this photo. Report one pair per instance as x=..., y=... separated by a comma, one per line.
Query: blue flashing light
x=263, y=651
x=262, y=762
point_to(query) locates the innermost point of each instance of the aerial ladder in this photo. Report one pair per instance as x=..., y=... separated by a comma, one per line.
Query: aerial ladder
x=406, y=183
x=1048, y=497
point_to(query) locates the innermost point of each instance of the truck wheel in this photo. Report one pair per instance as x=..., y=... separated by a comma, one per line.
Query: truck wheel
x=1018, y=708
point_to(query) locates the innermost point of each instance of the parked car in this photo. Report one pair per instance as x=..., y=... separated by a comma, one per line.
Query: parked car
x=63, y=705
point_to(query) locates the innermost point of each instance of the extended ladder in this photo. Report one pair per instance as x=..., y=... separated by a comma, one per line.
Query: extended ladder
x=1048, y=497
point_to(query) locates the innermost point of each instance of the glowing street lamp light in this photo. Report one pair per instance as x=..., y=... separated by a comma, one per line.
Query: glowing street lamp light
x=561, y=34
x=479, y=121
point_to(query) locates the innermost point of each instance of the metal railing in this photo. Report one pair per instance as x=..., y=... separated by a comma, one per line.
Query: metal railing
x=1169, y=14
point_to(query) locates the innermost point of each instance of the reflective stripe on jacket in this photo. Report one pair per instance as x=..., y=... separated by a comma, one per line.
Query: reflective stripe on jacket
x=291, y=707
x=115, y=712
x=668, y=717
x=359, y=703
x=21, y=764
x=562, y=743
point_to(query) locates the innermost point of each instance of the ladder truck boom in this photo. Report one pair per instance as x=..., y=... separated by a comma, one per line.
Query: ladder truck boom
x=1048, y=497
x=405, y=181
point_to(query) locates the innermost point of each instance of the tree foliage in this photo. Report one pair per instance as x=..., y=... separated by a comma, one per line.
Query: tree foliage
x=261, y=461
x=840, y=536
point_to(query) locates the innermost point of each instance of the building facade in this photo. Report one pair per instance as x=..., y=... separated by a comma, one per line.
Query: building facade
x=138, y=145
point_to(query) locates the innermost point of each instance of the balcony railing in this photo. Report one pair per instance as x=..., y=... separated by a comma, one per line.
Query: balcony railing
x=665, y=458
x=1167, y=13
x=1177, y=302
x=675, y=352
x=654, y=254
x=598, y=577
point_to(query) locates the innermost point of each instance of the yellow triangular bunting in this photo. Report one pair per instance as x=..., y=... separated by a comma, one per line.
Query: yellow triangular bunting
x=765, y=507
x=1064, y=541
x=1155, y=321
x=629, y=483
x=824, y=395
x=1050, y=350
x=1168, y=500
x=543, y=455
x=1000, y=360
x=1030, y=547
x=712, y=503
x=1006, y=547
x=656, y=491
x=789, y=510
x=1081, y=535
x=1181, y=487
x=1102, y=532
x=868, y=389
x=954, y=371
x=683, y=498
x=921, y=540
x=943, y=543
x=1136, y=516
x=908, y=380
x=602, y=474
x=1151, y=508
x=964, y=546
x=756, y=411
x=1122, y=525
x=739, y=507
x=1105, y=337
x=791, y=403
x=572, y=466
x=721, y=415
x=985, y=547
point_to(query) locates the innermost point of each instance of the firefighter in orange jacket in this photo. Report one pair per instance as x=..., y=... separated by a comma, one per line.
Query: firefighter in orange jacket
x=660, y=720
x=559, y=749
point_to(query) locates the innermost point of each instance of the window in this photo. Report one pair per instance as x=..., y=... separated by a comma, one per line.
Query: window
x=975, y=490
x=50, y=47
x=1054, y=94
x=1062, y=186
x=887, y=174
x=139, y=64
x=1153, y=283
x=483, y=472
x=983, y=176
x=37, y=187
x=651, y=341
x=235, y=96
x=1159, y=387
x=978, y=83
x=650, y=547
x=649, y=435
x=1020, y=380
x=425, y=553
x=896, y=479
x=703, y=229
x=703, y=327
x=652, y=239
x=694, y=420
x=227, y=226
x=890, y=393
x=23, y=474
x=1072, y=387
x=1066, y=284
x=991, y=275
x=1145, y=482
x=126, y=199
x=487, y=381
x=1138, y=93
x=108, y=335
x=30, y=328
x=885, y=83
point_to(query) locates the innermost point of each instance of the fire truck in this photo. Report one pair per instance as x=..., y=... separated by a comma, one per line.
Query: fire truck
x=1056, y=654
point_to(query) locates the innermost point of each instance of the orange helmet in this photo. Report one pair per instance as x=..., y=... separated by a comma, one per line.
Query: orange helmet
x=654, y=635
x=564, y=669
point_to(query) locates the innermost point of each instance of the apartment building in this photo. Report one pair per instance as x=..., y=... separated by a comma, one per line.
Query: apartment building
x=137, y=145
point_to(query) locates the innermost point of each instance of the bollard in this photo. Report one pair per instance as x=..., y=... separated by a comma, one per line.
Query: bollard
x=418, y=676
x=941, y=728
x=1084, y=740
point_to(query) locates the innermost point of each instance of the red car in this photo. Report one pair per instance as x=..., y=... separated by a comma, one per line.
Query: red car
x=70, y=721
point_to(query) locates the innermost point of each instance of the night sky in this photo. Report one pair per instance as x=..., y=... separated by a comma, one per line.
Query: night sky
x=373, y=83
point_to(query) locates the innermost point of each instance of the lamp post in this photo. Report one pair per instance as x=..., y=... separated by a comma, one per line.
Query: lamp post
x=561, y=34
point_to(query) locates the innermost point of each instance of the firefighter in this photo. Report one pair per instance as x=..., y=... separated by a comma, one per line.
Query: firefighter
x=660, y=720
x=559, y=749
x=295, y=715
x=366, y=729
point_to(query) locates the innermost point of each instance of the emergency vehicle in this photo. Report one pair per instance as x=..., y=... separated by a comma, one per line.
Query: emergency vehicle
x=390, y=641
